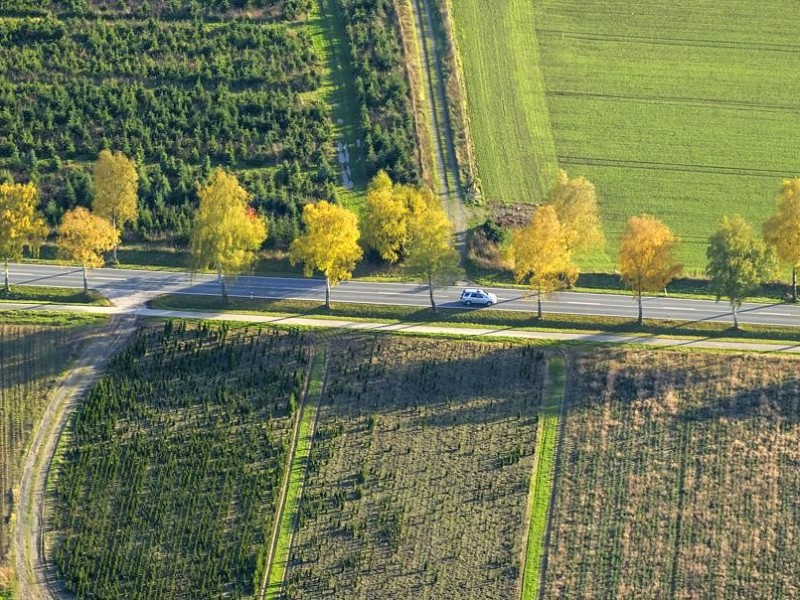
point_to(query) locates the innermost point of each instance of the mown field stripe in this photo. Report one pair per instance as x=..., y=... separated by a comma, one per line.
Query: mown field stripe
x=287, y=517
x=542, y=478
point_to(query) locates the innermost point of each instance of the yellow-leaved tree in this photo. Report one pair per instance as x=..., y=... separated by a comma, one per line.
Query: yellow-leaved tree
x=388, y=208
x=647, y=256
x=227, y=232
x=22, y=227
x=541, y=256
x=782, y=231
x=83, y=237
x=430, y=253
x=116, y=184
x=575, y=203
x=329, y=244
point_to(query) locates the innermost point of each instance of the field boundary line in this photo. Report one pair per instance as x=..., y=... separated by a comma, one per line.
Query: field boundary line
x=540, y=495
x=285, y=520
x=36, y=575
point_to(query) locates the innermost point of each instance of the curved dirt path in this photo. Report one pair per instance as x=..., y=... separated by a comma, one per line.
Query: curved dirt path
x=37, y=578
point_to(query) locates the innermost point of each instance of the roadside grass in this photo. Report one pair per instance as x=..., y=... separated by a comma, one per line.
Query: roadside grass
x=48, y=295
x=40, y=317
x=472, y=317
x=507, y=106
x=299, y=463
x=542, y=480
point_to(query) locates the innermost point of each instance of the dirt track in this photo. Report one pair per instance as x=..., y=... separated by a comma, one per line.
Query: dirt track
x=37, y=579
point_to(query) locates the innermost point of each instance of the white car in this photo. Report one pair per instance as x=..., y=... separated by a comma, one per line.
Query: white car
x=472, y=296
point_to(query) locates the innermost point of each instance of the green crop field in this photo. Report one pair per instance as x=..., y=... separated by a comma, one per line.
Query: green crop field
x=678, y=478
x=682, y=109
x=31, y=358
x=419, y=473
x=171, y=466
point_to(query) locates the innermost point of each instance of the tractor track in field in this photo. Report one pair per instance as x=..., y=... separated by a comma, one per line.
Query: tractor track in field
x=37, y=576
x=447, y=177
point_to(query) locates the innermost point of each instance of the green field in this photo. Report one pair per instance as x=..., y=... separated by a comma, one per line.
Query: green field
x=682, y=109
x=677, y=478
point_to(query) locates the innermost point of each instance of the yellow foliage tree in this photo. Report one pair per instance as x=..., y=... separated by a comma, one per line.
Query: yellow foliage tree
x=385, y=225
x=329, y=244
x=575, y=203
x=83, y=237
x=646, y=256
x=116, y=185
x=227, y=232
x=21, y=225
x=541, y=256
x=430, y=252
x=782, y=231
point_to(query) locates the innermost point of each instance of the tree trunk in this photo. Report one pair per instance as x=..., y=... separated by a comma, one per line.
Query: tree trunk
x=327, y=293
x=85, y=280
x=539, y=305
x=639, y=300
x=430, y=292
x=221, y=280
x=114, y=223
x=794, y=284
x=735, y=315
x=8, y=285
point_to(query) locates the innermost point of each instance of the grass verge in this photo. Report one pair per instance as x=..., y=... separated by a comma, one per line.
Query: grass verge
x=470, y=317
x=542, y=479
x=53, y=296
x=30, y=317
x=288, y=517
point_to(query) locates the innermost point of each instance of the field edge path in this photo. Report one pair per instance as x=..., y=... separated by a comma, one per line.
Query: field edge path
x=541, y=489
x=291, y=487
x=446, y=167
x=37, y=578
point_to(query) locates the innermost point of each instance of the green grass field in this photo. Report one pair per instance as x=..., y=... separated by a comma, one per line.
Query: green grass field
x=681, y=109
x=507, y=107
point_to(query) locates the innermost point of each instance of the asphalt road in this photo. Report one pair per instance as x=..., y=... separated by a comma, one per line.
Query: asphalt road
x=118, y=283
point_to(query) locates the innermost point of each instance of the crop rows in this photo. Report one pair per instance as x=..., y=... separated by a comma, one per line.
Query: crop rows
x=678, y=478
x=177, y=95
x=31, y=357
x=419, y=472
x=172, y=464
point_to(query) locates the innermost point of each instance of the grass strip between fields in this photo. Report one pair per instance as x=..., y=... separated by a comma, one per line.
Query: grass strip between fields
x=287, y=518
x=542, y=478
x=53, y=295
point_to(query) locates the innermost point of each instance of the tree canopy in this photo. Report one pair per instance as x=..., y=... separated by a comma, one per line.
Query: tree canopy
x=83, y=237
x=782, y=230
x=22, y=226
x=430, y=252
x=227, y=232
x=541, y=256
x=647, y=256
x=329, y=244
x=737, y=262
x=575, y=203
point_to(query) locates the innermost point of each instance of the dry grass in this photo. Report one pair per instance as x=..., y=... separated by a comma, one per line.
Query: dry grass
x=678, y=478
x=419, y=472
